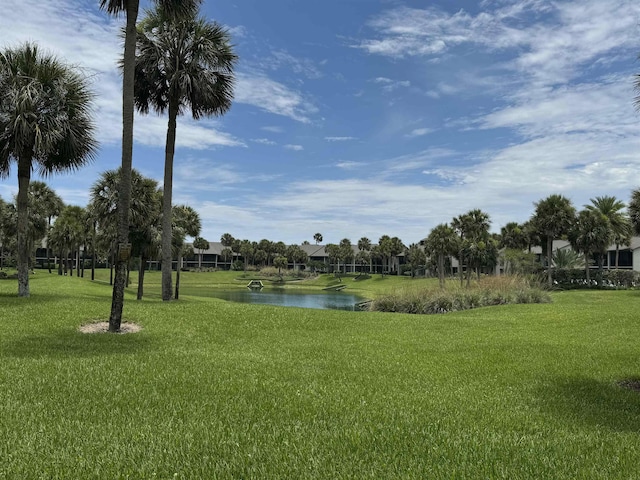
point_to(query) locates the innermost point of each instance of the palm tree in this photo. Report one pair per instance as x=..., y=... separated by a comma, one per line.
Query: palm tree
x=130, y=8
x=442, y=242
x=182, y=64
x=613, y=209
x=591, y=233
x=45, y=122
x=201, y=245
x=187, y=224
x=67, y=235
x=364, y=245
x=144, y=211
x=317, y=237
x=553, y=217
x=227, y=255
x=46, y=202
x=514, y=239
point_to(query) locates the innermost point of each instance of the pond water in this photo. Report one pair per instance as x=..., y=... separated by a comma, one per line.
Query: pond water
x=285, y=298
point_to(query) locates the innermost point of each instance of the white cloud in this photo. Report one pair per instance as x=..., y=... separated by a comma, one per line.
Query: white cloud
x=389, y=85
x=339, y=139
x=419, y=132
x=296, y=148
x=274, y=97
x=550, y=41
x=263, y=141
x=350, y=165
x=273, y=129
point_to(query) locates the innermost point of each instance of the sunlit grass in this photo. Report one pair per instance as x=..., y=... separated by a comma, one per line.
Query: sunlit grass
x=210, y=389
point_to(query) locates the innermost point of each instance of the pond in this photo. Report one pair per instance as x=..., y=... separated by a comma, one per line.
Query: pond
x=285, y=297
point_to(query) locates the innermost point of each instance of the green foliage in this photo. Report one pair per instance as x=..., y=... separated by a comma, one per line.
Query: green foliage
x=568, y=279
x=567, y=258
x=490, y=291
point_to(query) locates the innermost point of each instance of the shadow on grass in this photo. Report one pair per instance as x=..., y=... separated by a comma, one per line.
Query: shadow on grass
x=592, y=402
x=69, y=344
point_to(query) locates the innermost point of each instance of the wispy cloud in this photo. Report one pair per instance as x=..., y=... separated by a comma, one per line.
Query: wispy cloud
x=263, y=141
x=339, y=139
x=350, y=165
x=555, y=39
x=419, y=132
x=274, y=97
x=389, y=85
x=272, y=128
x=296, y=148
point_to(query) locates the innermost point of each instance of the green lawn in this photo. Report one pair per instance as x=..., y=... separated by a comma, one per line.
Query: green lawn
x=210, y=389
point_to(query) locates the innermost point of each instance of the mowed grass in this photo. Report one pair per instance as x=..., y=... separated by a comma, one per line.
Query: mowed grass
x=210, y=389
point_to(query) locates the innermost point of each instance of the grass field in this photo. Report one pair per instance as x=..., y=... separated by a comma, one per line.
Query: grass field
x=210, y=389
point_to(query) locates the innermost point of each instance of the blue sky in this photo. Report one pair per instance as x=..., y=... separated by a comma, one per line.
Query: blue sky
x=361, y=118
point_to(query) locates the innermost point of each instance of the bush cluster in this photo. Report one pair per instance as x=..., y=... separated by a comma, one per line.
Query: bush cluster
x=577, y=278
x=273, y=272
x=486, y=292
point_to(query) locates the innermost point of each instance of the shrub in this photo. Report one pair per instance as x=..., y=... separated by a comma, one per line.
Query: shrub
x=487, y=292
x=568, y=279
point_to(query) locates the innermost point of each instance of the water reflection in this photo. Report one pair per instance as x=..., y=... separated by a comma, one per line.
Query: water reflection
x=287, y=298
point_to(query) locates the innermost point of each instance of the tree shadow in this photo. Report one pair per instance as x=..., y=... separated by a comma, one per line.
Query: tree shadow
x=72, y=343
x=592, y=402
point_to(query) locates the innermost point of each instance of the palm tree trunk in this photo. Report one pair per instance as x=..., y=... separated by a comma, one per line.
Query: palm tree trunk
x=166, y=200
x=48, y=250
x=84, y=257
x=600, y=268
x=113, y=259
x=78, y=262
x=617, y=255
x=178, y=265
x=460, y=274
x=129, y=59
x=60, y=262
x=587, y=271
x=141, y=269
x=549, y=250
x=93, y=253
x=441, y=269
x=24, y=176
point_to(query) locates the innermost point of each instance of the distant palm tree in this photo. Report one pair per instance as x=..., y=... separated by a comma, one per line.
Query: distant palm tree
x=201, y=245
x=46, y=202
x=553, y=217
x=186, y=223
x=591, y=233
x=442, y=242
x=364, y=246
x=318, y=238
x=67, y=235
x=144, y=211
x=45, y=122
x=619, y=223
x=181, y=64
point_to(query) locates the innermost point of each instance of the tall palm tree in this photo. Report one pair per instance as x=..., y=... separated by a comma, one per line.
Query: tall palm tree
x=182, y=64
x=317, y=237
x=553, y=217
x=619, y=223
x=45, y=123
x=186, y=223
x=173, y=8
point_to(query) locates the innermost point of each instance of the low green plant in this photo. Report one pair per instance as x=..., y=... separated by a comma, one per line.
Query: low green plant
x=488, y=291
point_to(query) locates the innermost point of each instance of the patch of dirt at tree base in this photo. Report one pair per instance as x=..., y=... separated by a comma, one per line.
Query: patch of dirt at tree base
x=630, y=384
x=103, y=327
